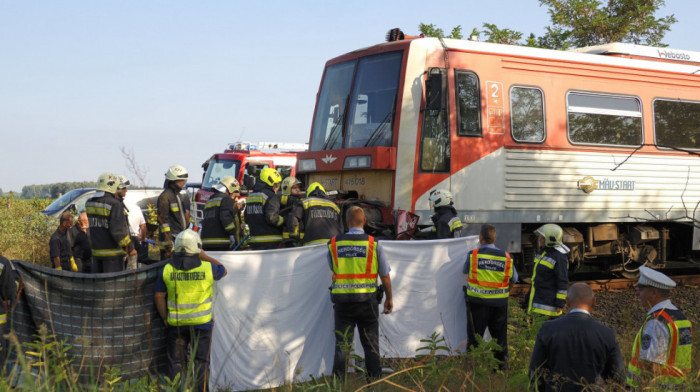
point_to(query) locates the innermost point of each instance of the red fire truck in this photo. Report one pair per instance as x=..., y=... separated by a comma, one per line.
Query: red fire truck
x=244, y=161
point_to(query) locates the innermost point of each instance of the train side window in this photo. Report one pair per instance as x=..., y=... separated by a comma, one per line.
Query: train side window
x=604, y=119
x=527, y=114
x=468, y=103
x=677, y=123
x=435, y=134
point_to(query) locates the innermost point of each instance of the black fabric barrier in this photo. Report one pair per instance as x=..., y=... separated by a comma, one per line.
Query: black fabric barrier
x=108, y=319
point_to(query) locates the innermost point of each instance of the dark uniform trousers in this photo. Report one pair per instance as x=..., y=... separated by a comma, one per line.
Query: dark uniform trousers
x=479, y=317
x=364, y=315
x=178, y=338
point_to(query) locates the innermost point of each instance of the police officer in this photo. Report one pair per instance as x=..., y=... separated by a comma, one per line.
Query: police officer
x=184, y=298
x=550, y=277
x=355, y=295
x=316, y=219
x=446, y=222
x=490, y=276
x=661, y=354
x=221, y=226
x=108, y=227
x=173, y=209
x=265, y=225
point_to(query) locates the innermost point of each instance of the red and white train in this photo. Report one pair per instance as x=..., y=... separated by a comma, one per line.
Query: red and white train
x=603, y=141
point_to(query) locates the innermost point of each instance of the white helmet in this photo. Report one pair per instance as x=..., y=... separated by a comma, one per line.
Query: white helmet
x=123, y=182
x=552, y=234
x=287, y=185
x=440, y=198
x=188, y=242
x=231, y=184
x=176, y=173
x=108, y=182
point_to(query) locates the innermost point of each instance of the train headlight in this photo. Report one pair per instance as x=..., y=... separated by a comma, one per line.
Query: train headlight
x=357, y=162
x=307, y=165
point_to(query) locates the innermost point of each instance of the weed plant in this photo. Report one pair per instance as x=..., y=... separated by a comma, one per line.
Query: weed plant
x=24, y=230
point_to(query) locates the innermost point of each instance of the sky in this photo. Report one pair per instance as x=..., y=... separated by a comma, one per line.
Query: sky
x=173, y=82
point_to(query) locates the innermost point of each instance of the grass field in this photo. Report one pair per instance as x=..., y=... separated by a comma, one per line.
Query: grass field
x=24, y=235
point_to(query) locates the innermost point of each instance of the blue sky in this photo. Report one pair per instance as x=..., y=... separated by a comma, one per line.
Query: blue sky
x=175, y=81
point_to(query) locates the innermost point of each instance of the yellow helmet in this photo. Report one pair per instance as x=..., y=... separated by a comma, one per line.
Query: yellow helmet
x=108, y=182
x=552, y=234
x=176, y=173
x=188, y=242
x=270, y=176
x=313, y=187
x=287, y=185
x=231, y=184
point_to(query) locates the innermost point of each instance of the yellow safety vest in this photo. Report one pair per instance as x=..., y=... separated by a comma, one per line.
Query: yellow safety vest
x=489, y=284
x=355, y=268
x=190, y=294
x=678, y=357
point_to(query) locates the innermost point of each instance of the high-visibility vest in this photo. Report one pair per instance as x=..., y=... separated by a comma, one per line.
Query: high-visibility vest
x=489, y=277
x=190, y=294
x=355, y=267
x=678, y=356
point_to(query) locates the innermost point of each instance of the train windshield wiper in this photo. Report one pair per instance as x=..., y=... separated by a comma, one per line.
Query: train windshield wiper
x=337, y=127
x=379, y=130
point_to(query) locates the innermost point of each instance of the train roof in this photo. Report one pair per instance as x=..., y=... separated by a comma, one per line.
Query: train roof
x=615, y=54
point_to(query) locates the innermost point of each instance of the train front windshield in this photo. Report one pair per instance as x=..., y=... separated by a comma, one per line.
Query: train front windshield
x=357, y=102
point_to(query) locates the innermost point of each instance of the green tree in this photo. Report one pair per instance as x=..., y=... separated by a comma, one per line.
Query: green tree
x=501, y=36
x=430, y=30
x=578, y=23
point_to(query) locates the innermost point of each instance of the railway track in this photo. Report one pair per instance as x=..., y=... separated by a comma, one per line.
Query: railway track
x=613, y=284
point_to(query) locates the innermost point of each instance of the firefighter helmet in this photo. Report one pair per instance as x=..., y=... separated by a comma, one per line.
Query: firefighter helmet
x=123, y=182
x=440, y=198
x=176, y=173
x=108, y=182
x=313, y=187
x=231, y=184
x=287, y=185
x=270, y=176
x=552, y=234
x=188, y=242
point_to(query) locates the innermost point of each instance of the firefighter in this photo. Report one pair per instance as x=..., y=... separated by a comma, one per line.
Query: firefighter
x=550, y=277
x=316, y=219
x=136, y=222
x=108, y=227
x=173, y=209
x=221, y=226
x=184, y=299
x=355, y=295
x=281, y=204
x=662, y=350
x=265, y=232
x=446, y=222
x=9, y=283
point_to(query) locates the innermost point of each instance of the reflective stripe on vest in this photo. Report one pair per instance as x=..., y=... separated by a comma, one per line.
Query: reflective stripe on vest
x=489, y=283
x=678, y=357
x=3, y=318
x=190, y=294
x=264, y=239
x=355, y=266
